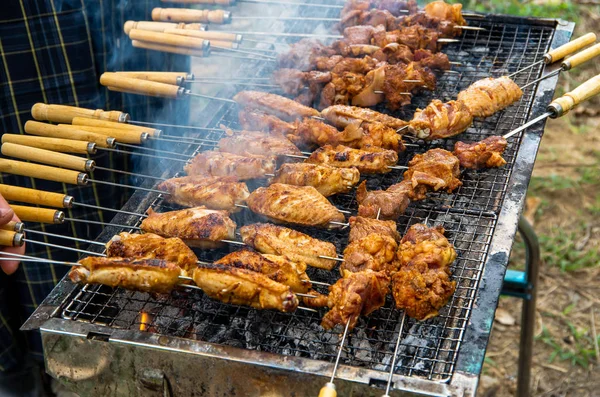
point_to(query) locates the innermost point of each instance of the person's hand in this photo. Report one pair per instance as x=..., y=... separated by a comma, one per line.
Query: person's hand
x=7, y=215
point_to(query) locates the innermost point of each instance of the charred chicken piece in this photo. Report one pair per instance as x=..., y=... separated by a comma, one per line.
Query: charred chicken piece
x=248, y=143
x=216, y=163
x=291, y=244
x=341, y=116
x=426, y=244
x=375, y=134
x=395, y=83
x=371, y=160
x=483, y=154
x=414, y=37
x=197, y=227
x=436, y=169
x=433, y=61
x=375, y=252
x=214, y=192
x=385, y=204
x=441, y=120
x=152, y=246
x=252, y=120
x=148, y=275
x=353, y=295
x=362, y=227
x=327, y=180
x=244, y=287
x=277, y=105
x=302, y=205
x=488, y=96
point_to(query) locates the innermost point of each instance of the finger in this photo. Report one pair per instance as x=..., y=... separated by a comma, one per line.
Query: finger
x=6, y=213
x=9, y=267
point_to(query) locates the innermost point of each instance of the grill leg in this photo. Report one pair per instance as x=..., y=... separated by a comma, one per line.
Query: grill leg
x=532, y=249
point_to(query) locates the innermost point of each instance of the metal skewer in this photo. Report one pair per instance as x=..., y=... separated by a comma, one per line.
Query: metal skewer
x=329, y=389
x=393, y=363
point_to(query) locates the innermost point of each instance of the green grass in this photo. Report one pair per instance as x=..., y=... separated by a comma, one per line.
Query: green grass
x=580, y=352
x=551, y=9
x=560, y=250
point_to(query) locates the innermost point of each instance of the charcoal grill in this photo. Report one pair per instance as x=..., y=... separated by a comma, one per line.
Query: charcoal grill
x=105, y=341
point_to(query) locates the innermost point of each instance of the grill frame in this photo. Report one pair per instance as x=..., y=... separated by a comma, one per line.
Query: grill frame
x=476, y=333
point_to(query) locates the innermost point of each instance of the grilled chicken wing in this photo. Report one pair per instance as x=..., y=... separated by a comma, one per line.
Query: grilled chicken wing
x=255, y=120
x=259, y=143
x=368, y=161
x=483, y=154
x=302, y=205
x=341, y=116
x=361, y=227
x=437, y=169
x=355, y=294
x=214, y=192
x=277, y=105
x=289, y=243
x=440, y=120
x=383, y=204
x=149, y=275
x=488, y=96
x=375, y=252
x=216, y=163
x=152, y=246
x=327, y=180
x=197, y=227
x=244, y=287
x=313, y=132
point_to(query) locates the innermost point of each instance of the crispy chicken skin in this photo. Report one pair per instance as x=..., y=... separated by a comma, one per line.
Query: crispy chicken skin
x=361, y=227
x=291, y=244
x=148, y=275
x=442, y=10
x=436, y=169
x=214, y=192
x=302, y=205
x=426, y=244
x=368, y=161
x=311, y=132
x=375, y=252
x=276, y=105
x=483, y=154
x=198, y=226
x=251, y=119
x=277, y=268
x=341, y=116
x=216, y=163
x=244, y=287
x=327, y=180
x=355, y=294
x=247, y=143
x=387, y=204
x=152, y=246
x=440, y=120
x=488, y=96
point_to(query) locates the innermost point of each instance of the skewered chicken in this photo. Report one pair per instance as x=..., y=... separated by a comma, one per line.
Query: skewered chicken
x=394, y=7
x=436, y=169
x=387, y=204
x=368, y=161
x=254, y=120
x=197, y=227
x=277, y=268
x=248, y=143
x=374, y=134
x=442, y=10
x=214, y=192
x=361, y=227
x=152, y=246
x=488, y=96
x=440, y=120
x=302, y=205
x=149, y=275
x=215, y=163
x=313, y=132
x=341, y=116
x=355, y=294
x=282, y=107
x=289, y=243
x=375, y=252
x=327, y=180
x=483, y=154
x=244, y=287
x=426, y=244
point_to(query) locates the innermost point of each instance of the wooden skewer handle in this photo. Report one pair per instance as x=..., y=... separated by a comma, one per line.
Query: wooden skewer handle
x=572, y=46
x=54, y=131
x=167, y=48
x=41, y=215
x=64, y=114
x=144, y=87
x=47, y=157
x=42, y=172
x=223, y=44
x=11, y=238
x=34, y=196
x=581, y=57
x=160, y=26
x=219, y=2
x=566, y=103
x=211, y=35
x=190, y=15
x=54, y=144
x=113, y=125
x=176, y=78
x=168, y=39
x=328, y=390
x=13, y=226
x=123, y=136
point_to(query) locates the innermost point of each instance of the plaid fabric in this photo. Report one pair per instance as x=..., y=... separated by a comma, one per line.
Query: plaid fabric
x=54, y=51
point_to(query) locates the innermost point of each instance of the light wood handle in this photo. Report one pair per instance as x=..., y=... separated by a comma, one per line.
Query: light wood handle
x=219, y=2
x=112, y=124
x=190, y=15
x=581, y=57
x=177, y=78
x=54, y=131
x=168, y=39
x=13, y=226
x=123, y=136
x=211, y=35
x=41, y=215
x=47, y=157
x=328, y=390
x=171, y=49
x=143, y=87
x=217, y=44
x=64, y=114
x=11, y=238
x=572, y=46
x=159, y=26
x=568, y=101
x=34, y=196
x=54, y=144
x=42, y=172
